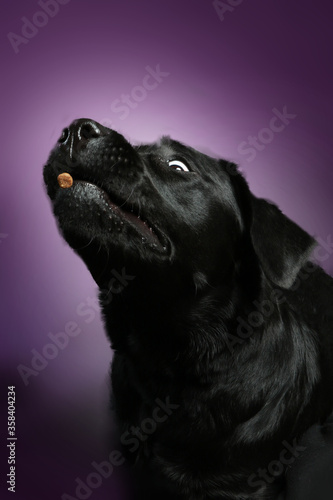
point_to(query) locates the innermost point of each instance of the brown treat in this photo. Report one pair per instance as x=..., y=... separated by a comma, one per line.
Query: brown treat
x=65, y=180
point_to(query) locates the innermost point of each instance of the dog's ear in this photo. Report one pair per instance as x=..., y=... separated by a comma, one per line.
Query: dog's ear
x=281, y=246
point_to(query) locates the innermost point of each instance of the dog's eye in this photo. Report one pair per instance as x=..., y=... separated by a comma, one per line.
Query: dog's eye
x=178, y=165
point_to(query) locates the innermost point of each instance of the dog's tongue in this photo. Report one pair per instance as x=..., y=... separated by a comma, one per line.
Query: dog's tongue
x=141, y=225
x=65, y=180
x=135, y=220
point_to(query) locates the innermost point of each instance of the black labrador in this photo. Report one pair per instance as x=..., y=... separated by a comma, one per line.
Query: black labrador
x=220, y=322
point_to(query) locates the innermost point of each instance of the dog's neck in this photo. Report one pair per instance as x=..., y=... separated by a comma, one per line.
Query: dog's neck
x=182, y=313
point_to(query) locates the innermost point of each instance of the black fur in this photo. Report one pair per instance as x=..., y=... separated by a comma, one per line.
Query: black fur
x=218, y=313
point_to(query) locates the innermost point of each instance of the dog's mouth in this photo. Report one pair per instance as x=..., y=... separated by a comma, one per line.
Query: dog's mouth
x=123, y=213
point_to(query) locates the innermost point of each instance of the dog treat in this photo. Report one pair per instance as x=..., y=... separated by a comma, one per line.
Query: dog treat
x=65, y=180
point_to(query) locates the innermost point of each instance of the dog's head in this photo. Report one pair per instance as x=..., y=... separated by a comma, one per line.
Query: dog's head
x=165, y=208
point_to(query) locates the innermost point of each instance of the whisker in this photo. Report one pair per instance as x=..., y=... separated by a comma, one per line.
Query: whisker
x=127, y=200
x=85, y=246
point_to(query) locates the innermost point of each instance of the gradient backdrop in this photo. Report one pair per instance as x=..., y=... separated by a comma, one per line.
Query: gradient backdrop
x=222, y=79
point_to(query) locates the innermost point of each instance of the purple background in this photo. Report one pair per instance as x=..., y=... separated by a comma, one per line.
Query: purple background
x=225, y=77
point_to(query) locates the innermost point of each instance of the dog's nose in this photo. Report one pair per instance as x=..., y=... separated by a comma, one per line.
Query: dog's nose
x=76, y=136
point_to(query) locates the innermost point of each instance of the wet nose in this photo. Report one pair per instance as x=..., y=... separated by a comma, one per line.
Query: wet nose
x=79, y=133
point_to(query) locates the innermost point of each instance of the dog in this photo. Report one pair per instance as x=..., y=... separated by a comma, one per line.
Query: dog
x=220, y=321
